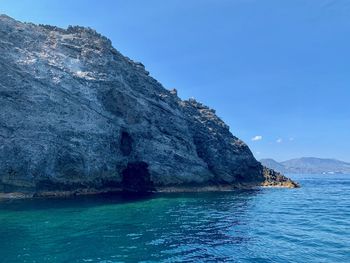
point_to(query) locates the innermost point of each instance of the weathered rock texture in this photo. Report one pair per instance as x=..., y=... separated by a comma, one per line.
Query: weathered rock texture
x=76, y=115
x=276, y=179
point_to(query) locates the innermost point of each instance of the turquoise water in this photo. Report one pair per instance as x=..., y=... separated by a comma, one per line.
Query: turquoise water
x=310, y=224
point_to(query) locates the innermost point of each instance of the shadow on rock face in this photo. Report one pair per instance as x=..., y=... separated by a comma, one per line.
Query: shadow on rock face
x=126, y=143
x=136, y=178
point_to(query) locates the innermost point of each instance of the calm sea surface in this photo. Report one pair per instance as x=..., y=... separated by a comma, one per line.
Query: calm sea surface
x=310, y=224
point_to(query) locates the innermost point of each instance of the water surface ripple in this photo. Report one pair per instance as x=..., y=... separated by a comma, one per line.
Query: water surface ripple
x=310, y=224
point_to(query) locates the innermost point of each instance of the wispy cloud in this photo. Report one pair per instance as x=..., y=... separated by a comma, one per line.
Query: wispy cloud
x=279, y=140
x=291, y=139
x=257, y=138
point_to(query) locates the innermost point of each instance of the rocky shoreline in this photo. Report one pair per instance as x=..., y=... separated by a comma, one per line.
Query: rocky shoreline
x=276, y=183
x=276, y=179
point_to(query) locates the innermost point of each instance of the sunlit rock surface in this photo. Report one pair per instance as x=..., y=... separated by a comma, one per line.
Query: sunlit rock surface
x=77, y=117
x=276, y=179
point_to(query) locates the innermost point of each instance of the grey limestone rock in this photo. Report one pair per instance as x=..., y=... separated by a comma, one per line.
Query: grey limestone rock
x=76, y=115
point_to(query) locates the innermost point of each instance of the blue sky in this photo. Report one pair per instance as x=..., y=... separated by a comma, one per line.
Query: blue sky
x=275, y=71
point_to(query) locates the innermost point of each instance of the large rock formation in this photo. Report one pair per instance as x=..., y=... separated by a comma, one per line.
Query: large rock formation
x=78, y=116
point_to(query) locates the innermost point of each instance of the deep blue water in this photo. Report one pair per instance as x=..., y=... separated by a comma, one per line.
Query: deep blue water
x=310, y=224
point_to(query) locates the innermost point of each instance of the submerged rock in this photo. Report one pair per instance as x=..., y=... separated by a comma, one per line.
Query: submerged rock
x=77, y=116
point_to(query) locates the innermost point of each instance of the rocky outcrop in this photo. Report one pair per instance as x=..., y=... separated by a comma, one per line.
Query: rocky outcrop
x=228, y=158
x=77, y=116
x=276, y=179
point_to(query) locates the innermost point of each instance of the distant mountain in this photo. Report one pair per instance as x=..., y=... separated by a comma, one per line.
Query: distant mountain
x=309, y=165
x=272, y=164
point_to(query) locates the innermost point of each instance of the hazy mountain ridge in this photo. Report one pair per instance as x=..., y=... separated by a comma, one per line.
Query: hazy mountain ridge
x=309, y=165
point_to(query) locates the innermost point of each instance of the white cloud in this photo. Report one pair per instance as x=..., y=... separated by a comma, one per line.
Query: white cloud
x=257, y=138
x=258, y=153
x=279, y=140
x=291, y=139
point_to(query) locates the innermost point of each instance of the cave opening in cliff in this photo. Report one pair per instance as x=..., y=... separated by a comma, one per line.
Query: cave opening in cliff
x=136, y=178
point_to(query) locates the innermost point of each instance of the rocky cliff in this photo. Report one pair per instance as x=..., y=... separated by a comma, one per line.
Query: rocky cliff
x=78, y=116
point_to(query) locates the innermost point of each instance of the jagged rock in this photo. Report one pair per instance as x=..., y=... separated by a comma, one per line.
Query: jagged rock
x=276, y=179
x=77, y=116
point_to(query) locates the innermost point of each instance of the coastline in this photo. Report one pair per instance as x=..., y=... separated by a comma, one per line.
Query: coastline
x=168, y=189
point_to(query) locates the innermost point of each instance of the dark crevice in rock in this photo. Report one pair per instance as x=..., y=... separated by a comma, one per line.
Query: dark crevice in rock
x=136, y=178
x=126, y=142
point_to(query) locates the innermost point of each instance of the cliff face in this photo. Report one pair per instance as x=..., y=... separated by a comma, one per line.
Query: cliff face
x=76, y=115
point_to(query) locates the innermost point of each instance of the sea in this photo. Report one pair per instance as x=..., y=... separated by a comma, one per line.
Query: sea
x=308, y=224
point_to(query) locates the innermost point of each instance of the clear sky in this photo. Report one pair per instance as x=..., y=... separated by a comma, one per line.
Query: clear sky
x=277, y=72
